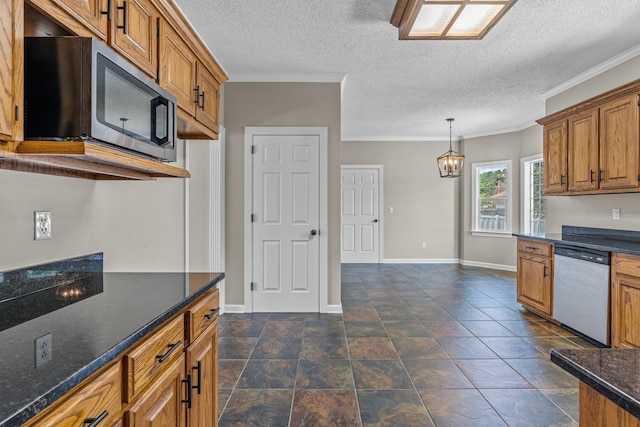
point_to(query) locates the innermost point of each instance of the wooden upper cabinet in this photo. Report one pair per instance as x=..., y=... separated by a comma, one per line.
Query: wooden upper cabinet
x=183, y=74
x=134, y=33
x=555, y=157
x=583, y=151
x=11, y=69
x=178, y=65
x=93, y=14
x=619, y=143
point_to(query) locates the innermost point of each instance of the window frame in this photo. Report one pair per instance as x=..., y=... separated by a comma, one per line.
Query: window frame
x=475, y=186
x=525, y=190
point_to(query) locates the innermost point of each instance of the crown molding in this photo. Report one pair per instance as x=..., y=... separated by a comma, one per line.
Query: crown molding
x=287, y=78
x=593, y=72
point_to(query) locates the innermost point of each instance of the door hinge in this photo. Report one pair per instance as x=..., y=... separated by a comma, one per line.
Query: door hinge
x=17, y=113
x=253, y=286
x=253, y=149
x=253, y=218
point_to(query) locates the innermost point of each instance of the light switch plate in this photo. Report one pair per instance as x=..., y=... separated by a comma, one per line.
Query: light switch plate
x=42, y=225
x=616, y=214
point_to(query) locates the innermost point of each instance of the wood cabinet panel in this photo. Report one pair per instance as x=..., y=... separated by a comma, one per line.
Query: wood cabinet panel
x=583, y=151
x=620, y=143
x=93, y=14
x=178, y=65
x=535, y=276
x=11, y=69
x=134, y=33
x=207, y=111
x=625, y=301
x=99, y=397
x=162, y=405
x=555, y=157
x=202, y=364
x=597, y=411
x=148, y=359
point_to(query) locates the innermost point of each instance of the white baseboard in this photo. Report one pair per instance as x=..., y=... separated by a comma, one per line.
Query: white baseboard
x=234, y=308
x=489, y=265
x=421, y=261
x=334, y=308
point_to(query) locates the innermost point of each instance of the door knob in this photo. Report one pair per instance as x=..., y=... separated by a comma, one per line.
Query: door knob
x=314, y=232
x=375, y=220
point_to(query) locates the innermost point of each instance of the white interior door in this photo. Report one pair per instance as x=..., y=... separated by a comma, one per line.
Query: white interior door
x=285, y=222
x=360, y=214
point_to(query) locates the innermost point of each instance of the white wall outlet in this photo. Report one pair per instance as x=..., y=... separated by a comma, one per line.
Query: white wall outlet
x=390, y=210
x=616, y=214
x=42, y=225
x=44, y=349
x=424, y=245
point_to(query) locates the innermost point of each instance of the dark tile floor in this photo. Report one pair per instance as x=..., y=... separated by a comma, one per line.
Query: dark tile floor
x=416, y=345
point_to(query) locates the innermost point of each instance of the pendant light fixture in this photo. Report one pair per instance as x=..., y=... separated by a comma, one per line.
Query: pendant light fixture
x=450, y=163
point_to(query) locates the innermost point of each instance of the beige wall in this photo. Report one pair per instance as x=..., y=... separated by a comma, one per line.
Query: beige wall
x=138, y=225
x=277, y=104
x=594, y=211
x=425, y=205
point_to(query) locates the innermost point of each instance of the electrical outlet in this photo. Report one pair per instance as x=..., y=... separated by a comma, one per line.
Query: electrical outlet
x=424, y=245
x=42, y=225
x=44, y=349
x=616, y=214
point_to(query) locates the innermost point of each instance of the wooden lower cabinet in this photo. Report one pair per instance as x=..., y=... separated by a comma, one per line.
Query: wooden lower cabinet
x=202, y=364
x=598, y=411
x=625, y=301
x=535, y=276
x=164, y=403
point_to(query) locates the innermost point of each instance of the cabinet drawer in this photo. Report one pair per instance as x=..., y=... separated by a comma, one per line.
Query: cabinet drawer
x=535, y=247
x=625, y=264
x=202, y=314
x=100, y=398
x=150, y=358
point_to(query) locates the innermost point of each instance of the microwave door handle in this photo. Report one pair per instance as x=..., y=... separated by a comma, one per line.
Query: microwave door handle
x=155, y=104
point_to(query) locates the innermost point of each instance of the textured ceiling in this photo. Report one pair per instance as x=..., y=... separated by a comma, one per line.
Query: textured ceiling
x=403, y=90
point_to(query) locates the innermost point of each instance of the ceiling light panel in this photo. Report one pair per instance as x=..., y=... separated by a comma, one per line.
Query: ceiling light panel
x=447, y=19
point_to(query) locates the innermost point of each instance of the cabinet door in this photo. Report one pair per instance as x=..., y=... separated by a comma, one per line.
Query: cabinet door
x=555, y=157
x=89, y=13
x=178, y=66
x=11, y=29
x=619, y=145
x=625, y=301
x=207, y=112
x=202, y=363
x=133, y=33
x=100, y=399
x=163, y=403
x=583, y=151
x=534, y=283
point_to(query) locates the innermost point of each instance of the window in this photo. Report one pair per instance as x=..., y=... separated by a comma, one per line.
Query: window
x=533, y=201
x=492, y=197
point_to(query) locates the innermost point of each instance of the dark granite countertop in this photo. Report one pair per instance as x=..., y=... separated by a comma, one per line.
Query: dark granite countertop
x=609, y=240
x=117, y=310
x=614, y=373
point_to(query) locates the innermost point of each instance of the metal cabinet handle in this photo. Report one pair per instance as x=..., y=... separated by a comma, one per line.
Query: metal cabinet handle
x=197, y=97
x=211, y=313
x=199, y=385
x=601, y=175
x=546, y=271
x=592, y=175
x=172, y=347
x=201, y=97
x=188, y=399
x=108, y=11
x=125, y=21
x=93, y=422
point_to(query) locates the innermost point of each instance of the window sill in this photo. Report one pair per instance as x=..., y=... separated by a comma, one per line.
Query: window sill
x=501, y=234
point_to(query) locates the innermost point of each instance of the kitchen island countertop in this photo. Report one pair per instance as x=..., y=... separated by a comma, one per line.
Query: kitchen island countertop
x=121, y=309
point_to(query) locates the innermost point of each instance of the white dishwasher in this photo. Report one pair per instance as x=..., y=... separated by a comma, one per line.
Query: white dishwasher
x=581, y=290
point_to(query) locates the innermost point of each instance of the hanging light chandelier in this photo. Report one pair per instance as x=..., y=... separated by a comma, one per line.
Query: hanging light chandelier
x=450, y=163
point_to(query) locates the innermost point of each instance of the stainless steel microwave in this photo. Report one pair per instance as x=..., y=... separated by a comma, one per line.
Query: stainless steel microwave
x=76, y=88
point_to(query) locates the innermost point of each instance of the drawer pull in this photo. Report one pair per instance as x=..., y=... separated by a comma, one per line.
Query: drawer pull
x=188, y=399
x=212, y=313
x=172, y=347
x=199, y=368
x=93, y=422
x=531, y=248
